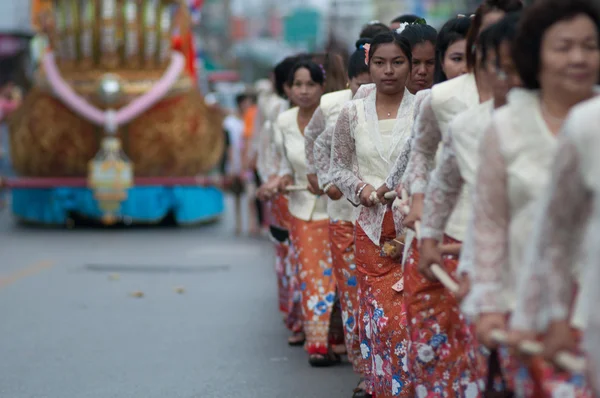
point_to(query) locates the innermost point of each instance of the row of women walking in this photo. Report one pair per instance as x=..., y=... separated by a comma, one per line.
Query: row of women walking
x=467, y=151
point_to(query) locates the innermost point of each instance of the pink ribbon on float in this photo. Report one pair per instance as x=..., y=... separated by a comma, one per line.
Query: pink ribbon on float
x=125, y=114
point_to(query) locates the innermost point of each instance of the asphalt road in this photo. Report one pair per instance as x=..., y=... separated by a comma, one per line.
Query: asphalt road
x=70, y=327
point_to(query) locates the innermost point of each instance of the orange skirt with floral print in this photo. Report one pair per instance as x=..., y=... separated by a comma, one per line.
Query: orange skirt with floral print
x=445, y=358
x=341, y=235
x=316, y=282
x=285, y=267
x=383, y=329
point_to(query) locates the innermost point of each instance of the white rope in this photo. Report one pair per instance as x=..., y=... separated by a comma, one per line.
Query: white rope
x=390, y=195
x=296, y=188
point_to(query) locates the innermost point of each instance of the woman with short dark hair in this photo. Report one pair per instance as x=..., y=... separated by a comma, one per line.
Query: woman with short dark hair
x=309, y=220
x=557, y=55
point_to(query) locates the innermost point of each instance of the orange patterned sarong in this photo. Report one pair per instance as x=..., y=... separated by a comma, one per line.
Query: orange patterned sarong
x=341, y=235
x=285, y=267
x=383, y=329
x=539, y=379
x=445, y=358
x=316, y=282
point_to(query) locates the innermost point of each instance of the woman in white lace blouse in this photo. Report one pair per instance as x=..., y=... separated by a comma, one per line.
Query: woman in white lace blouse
x=268, y=162
x=458, y=166
x=457, y=366
x=568, y=221
x=459, y=162
x=369, y=135
x=557, y=56
x=341, y=219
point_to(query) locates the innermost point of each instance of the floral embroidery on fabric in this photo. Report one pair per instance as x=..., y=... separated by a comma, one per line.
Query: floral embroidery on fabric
x=311, y=242
x=444, y=358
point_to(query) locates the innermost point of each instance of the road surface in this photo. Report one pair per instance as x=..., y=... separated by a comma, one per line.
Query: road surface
x=206, y=326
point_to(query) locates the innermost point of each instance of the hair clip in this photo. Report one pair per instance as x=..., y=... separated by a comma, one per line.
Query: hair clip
x=403, y=26
x=323, y=71
x=366, y=47
x=374, y=22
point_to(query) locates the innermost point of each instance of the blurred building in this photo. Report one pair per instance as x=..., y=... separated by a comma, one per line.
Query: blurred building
x=16, y=31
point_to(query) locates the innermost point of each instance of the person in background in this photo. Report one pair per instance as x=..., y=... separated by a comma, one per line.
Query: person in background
x=249, y=111
x=404, y=19
x=372, y=29
x=422, y=39
x=450, y=49
x=309, y=219
x=234, y=126
x=268, y=162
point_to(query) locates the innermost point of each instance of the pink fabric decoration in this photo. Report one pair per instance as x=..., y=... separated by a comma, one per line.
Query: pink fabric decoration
x=138, y=106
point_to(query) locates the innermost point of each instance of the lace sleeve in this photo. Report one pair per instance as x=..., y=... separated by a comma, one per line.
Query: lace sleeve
x=322, y=154
x=425, y=144
x=545, y=286
x=393, y=179
x=364, y=91
x=400, y=169
x=490, y=225
x=343, y=155
x=315, y=127
x=279, y=151
x=442, y=193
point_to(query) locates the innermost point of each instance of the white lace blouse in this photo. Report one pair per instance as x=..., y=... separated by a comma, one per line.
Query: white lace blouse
x=567, y=222
x=401, y=164
x=359, y=154
x=456, y=169
x=325, y=116
x=518, y=149
x=340, y=210
x=446, y=101
x=290, y=142
x=268, y=155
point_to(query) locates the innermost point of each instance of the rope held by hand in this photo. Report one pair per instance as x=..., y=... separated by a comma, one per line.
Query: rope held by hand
x=566, y=360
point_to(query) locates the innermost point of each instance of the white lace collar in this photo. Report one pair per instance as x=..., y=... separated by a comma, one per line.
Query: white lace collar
x=402, y=126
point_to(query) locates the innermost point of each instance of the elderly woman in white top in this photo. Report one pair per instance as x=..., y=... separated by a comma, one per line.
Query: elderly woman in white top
x=568, y=222
x=369, y=135
x=556, y=53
